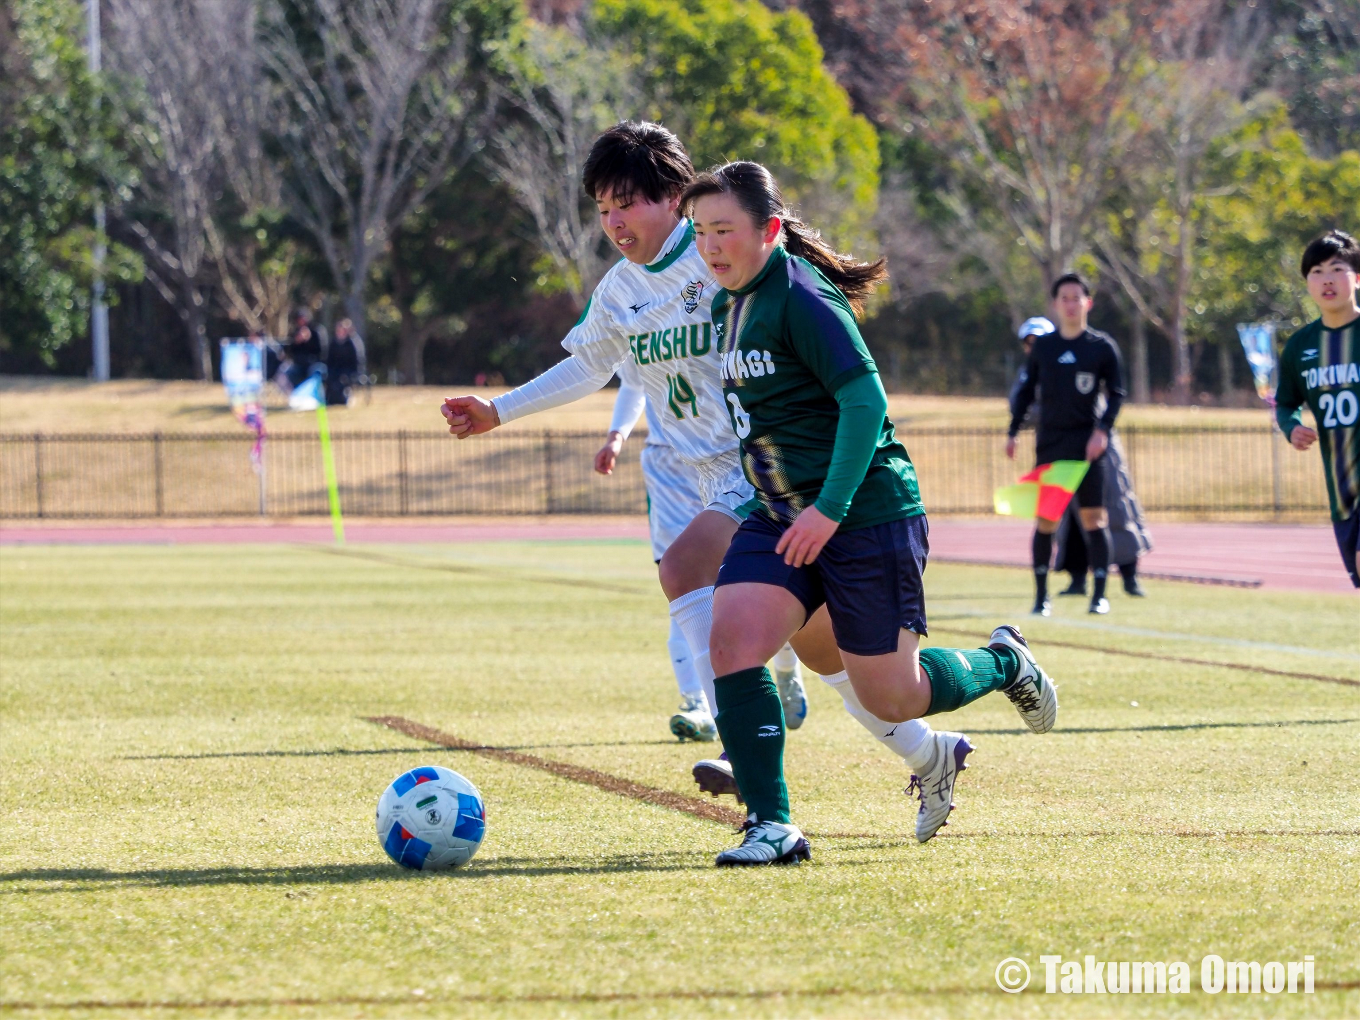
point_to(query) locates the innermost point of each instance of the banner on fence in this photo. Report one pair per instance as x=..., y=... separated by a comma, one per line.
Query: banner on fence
x=1258, y=341
x=242, y=370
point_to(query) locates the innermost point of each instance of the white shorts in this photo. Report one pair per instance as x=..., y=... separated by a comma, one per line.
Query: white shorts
x=723, y=486
x=673, y=498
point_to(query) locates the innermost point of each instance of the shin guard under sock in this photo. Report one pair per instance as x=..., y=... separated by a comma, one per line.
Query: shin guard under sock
x=750, y=720
x=693, y=613
x=1042, y=551
x=1098, y=552
x=682, y=662
x=909, y=740
x=960, y=675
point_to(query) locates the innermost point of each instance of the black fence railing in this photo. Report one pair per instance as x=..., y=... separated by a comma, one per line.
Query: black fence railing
x=1242, y=473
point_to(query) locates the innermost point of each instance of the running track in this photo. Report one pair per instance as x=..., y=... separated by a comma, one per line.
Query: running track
x=1295, y=557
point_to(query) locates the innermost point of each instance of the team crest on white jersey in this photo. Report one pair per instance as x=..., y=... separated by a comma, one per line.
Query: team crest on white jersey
x=1068, y=358
x=1086, y=382
x=692, y=294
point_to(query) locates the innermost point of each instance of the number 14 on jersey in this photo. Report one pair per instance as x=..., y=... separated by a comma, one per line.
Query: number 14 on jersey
x=679, y=392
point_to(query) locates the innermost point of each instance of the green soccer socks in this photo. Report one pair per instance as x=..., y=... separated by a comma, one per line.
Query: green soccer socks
x=751, y=721
x=960, y=675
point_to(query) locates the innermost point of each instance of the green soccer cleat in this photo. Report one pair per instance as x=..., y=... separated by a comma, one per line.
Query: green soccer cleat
x=1032, y=692
x=694, y=721
x=766, y=843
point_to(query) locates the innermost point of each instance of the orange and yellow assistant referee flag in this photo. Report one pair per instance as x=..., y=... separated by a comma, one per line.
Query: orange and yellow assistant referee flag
x=1044, y=492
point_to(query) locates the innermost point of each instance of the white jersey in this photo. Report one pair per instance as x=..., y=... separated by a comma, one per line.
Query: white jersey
x=657, y=317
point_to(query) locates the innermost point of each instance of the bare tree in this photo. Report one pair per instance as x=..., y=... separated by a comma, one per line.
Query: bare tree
x=1204, y=68
x=373, y=112
x=256, y=271
x=152, y=44
x=558, y=93
x=1036, y=102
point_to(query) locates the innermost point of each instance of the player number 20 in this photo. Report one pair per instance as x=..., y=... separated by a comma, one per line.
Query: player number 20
x=1339, y=409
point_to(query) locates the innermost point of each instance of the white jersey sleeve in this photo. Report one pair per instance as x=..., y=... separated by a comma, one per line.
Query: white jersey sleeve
x=597, y=339
x=566, y=381
x=629, y=404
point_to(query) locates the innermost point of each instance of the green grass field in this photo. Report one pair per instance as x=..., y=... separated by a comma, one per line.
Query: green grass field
x=187, y=785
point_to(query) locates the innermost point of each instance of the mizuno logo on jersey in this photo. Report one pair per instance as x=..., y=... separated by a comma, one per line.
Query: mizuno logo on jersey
x=1309, y=354
x=1068, y=358
x=739, y=365
x=1331, y=375
x=639, y=307
x=669, y=344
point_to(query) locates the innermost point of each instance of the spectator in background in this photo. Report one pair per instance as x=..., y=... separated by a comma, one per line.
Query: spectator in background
x=344, y=362
x=305, y=349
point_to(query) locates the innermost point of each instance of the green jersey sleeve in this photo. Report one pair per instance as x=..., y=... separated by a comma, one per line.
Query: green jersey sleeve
x=863, y=406
x=821, y=328
x=1289, y=394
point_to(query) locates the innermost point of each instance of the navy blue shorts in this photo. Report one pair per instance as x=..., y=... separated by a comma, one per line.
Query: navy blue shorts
x=1348, y=541
x=869, y=579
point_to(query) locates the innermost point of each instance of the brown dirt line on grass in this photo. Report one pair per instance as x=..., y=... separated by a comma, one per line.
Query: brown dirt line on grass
x=577, y=773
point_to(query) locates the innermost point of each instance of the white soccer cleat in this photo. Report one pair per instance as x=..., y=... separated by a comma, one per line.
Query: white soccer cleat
x=767, y=843
x=792, y=694
x=1033, y=693
x=694, y=721
x=714, y=775
x=935, y=789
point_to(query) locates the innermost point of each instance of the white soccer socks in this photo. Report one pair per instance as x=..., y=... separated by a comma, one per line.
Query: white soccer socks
x=785, y=659
x=693, y=614
x=909, y=740
x=682, y=661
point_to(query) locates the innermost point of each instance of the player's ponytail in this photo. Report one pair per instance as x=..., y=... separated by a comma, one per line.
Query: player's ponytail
x=757, y=192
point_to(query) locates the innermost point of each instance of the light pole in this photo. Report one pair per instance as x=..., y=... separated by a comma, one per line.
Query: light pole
x=99, y=312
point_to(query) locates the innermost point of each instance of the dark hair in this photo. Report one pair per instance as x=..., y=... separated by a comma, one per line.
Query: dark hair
x=637, y=157
x=1076, y=278
x=757, y=192
x=1335, y=244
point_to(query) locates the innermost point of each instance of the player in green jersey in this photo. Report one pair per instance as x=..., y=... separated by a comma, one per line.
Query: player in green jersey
x=837, y=519
x=1320, y=367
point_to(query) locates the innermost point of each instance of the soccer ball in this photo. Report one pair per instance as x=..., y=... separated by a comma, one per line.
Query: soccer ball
x=431, y=818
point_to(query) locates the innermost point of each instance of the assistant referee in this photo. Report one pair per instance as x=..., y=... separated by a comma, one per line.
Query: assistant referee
x=1070, y=367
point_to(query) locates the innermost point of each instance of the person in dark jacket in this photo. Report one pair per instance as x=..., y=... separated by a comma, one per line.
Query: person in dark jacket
x=1129, y=535
x=344, y=362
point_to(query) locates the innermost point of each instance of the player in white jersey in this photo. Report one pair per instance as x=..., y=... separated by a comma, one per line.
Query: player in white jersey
x=673, y=500
x=651, y=309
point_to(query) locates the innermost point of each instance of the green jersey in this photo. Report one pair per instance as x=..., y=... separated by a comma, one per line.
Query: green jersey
x=787, y=342
x=1321, y=367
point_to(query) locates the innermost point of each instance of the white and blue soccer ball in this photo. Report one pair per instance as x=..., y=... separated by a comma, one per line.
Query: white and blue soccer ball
x=431, y=818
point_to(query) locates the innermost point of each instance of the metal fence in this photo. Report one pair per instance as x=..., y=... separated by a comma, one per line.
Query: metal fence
x=1240, y=473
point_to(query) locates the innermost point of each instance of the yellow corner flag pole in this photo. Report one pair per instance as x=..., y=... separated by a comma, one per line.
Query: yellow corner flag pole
x=328, y=462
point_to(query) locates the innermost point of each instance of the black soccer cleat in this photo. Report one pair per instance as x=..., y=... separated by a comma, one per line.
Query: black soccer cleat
x=1099, y=607
x=1042, y=607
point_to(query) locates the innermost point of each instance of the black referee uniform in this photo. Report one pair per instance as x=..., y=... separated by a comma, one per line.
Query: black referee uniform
x=1071, y=373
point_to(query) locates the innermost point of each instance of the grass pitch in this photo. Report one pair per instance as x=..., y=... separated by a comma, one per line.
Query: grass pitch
x=187, y=786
